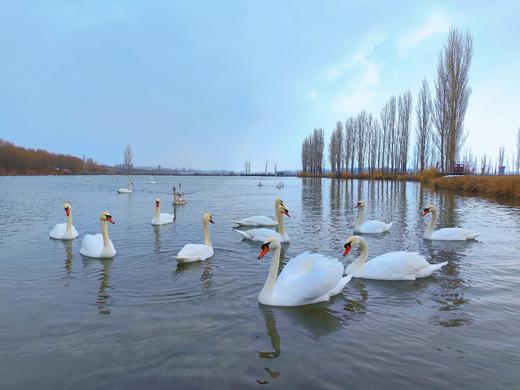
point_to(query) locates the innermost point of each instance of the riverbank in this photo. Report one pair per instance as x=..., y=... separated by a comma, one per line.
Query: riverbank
x=494, y=186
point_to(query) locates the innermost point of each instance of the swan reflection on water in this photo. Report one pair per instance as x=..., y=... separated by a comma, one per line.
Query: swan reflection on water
x=103, y=299
x=67, y=244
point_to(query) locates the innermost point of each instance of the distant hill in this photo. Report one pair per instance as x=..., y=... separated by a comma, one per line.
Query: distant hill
x=15, y=160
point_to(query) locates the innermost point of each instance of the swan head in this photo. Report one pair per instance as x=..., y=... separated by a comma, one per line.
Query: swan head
x=278, y=201
x=106, y=217
x=282, y=210
x=351, y=241
x=157, y=203
x=207, y=217
x=360, y=205
x=66, y=206
x=428, y=209
x=269, y=243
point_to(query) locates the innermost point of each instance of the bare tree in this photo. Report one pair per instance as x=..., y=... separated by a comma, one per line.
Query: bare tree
x=452, y=95
x=350, y=144
x=336, y=148
x=423, y=134
x=390, y=139
x=518, y=151
x=501, y=156
x=483, y=165
x=128, y=158
x=404, y=122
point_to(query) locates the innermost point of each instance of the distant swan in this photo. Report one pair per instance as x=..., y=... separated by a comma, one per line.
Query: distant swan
x=161, y=218
x=177, y=199
x=369, y=226
x=307, y=278
x=446, y=234
x=196, y=252
x=262, y=234
x=260, y=220
x=126, y=190
x=64, y=231
x=388, y=266
x=99, y=245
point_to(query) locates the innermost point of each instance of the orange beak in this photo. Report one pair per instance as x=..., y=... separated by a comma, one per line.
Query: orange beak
x=286, y=212
x=264, y=251
x=67, y=211
x=109, y=219
x=156, y=203
x=347, y=250
x=425, y=213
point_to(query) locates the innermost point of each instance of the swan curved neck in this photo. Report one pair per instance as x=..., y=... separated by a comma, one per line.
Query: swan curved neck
x=279, y=221
x=104, y=232
x=431, y=225
x=207, y=241
x=361, y=216
x=273, y=274
x=157, y=211
x=359, y=263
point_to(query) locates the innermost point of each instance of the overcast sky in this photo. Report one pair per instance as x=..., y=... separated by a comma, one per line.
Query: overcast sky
x=211, y=84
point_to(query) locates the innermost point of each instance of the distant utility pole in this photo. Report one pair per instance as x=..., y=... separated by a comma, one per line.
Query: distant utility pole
x=265, y=172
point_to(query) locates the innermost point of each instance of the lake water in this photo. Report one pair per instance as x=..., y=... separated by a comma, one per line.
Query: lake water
x=141, y=320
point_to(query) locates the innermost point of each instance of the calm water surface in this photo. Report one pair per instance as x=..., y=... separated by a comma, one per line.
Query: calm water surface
x=141, y=320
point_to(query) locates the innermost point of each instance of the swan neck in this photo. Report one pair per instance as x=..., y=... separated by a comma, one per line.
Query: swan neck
x=157, y=212
x=359, y=263
x=104, y=232
x=281, y=226
x=207, y=241
x=273, y=273
x=68, y=227
x=431, y=225
x=361, y=216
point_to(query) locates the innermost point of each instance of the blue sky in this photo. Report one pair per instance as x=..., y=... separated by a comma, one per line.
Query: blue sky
x=212, y=84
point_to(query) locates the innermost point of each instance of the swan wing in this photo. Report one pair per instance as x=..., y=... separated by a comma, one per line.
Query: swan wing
x=258, y=220
x=194, y=252
x=373, y=227
x=92, y=245
x=58, y=231
x=395, y=266
x=308, y=277
x=453, y=234
x=260, y=235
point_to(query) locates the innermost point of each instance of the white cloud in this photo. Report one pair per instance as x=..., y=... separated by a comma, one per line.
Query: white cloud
x=312, y=94
x=437, y=23
x=359, y=74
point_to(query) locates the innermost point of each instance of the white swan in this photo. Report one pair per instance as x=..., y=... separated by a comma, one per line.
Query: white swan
x=262, y=234
x=177, y=199
x=388, y=266
x=161, y=218
x=196, y=252
x=307, y=278
x=65, y=231
x=446, y=234
x=126, y=190
x=99, y=245
x=260, y=220
x=371, y=226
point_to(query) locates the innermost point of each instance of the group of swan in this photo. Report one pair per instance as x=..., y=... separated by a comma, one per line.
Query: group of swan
x=307, y=278
x=312, y=277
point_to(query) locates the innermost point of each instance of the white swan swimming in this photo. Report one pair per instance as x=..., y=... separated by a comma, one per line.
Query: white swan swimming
x=307, y=278
x=369, y=226
x=177, y=199
x=388, y=266
x=260, y=220
x=161, y=218
x=126, y=190
x=65, y=231
x=262, y=234
x=446, y=234
x=196, y=252
x=99, y=245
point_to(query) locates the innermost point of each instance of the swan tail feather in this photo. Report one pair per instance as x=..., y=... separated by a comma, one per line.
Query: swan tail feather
x=472, y=236
x=243, y=234
x=388, y=226
x=431, y=269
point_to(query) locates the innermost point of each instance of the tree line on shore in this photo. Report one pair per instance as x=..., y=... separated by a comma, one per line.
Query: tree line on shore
x=24, y=161
x=367, y=143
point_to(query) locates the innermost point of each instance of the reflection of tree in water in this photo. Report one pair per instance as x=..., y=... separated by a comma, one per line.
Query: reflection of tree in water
x=312, y=211
x=104, y=298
